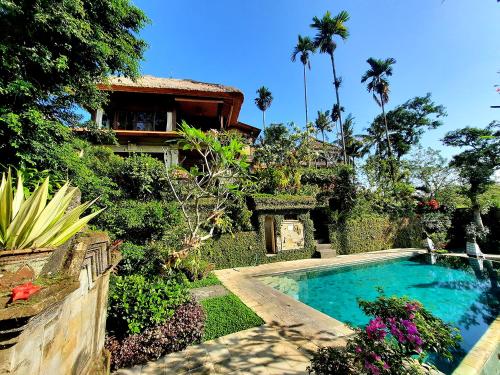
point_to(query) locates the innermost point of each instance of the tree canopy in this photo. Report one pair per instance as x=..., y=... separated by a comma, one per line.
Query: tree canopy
x=406, y=124
x=53, y=54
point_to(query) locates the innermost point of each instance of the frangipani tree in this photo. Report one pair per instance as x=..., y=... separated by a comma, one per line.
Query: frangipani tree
x=204, y=191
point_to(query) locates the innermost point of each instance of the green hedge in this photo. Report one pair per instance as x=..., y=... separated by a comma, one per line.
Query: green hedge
x=245, y=249
x=373, y=233
x=281, y=202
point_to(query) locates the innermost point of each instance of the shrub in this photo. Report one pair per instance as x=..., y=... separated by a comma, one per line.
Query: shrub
x=138, y=221
x=145, y=260
x=184, y=328
x=144, y=177
x=227, y=314
x=396, y=341
x=209, y=280
x=136, y=303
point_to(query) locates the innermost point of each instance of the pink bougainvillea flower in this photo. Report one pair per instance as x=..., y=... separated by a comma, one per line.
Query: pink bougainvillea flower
x=24, y=291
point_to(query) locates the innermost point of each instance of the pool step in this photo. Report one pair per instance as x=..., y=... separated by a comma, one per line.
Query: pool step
x=325, y=250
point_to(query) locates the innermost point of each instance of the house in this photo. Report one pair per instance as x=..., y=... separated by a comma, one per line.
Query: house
x=144, y=113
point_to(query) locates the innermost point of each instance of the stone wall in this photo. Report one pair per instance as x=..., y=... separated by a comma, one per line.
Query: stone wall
x=67, y=335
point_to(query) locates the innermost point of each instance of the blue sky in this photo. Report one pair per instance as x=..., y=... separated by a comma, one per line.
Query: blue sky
x=450, y=48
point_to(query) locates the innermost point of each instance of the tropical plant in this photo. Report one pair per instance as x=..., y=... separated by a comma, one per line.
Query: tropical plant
x=328, y=28
x=478, y=163
x=323, y=123
x=379, y=85
x=263, y=102
x=34, y=222
x=204, y=192
x=304, y=47
x=354, y=144
x=396, y=341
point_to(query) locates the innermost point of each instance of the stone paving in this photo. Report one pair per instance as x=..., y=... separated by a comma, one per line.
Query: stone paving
x=283, y=345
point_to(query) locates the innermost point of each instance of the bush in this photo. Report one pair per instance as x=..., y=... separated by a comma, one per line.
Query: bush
x=144, y=177
x=184, y=328
x=145, y=260
x=136, y=303
x=396, y=341
x=227, y=314
x=374, y=232
x=139, y=222
x=209, y=280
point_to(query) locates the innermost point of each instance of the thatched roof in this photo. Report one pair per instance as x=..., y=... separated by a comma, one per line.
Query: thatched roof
x=150, y=82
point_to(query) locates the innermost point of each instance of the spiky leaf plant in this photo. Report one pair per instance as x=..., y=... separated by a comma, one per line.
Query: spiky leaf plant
x=37, y=221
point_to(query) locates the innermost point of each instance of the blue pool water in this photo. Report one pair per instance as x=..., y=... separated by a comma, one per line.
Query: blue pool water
x=455, y=289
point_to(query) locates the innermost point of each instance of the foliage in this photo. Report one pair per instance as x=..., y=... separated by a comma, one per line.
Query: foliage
x=406, y=124
x=143, y=177
x=344, y=191
x=304, y=47
x=95, y=134
x=221, y=175
x=194, y=268
x=377, y=74
x=137, y=302
x=146, y=260
x=209, y=280
x=138, y=222
x=431, y=173
x=184, y=328
x=323, y=123
x=227, y=314
x=396, y=341
x=53, y=55
x=477, y=164
x=281, y=201
x=390, y=193
x=264, y=98
x=370, y=232
x=475, y=232
x=436, y=224
x=35, y=221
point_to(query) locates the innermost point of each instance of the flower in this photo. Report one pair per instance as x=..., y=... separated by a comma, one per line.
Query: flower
x=376, y=329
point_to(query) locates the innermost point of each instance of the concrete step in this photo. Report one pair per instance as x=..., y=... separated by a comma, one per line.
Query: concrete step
x=327, y=253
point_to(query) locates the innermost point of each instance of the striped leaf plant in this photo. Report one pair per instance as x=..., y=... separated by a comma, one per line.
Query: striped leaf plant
x=35, y=221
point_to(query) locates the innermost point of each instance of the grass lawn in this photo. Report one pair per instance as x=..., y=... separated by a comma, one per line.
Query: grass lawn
x=211, y=279
x=227, y=314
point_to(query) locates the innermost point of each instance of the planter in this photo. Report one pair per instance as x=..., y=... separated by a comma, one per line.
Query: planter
x=12, y=260
x=472, y=249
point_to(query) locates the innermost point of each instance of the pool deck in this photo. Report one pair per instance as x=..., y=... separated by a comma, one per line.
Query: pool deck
x=292, y=331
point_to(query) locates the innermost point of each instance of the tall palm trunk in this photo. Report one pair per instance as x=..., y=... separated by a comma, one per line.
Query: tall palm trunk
x=263, y=121
x=305, y=94
x=389, y=149
x=338, y=106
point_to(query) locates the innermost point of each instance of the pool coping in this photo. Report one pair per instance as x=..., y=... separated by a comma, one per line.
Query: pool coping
x=290, y=316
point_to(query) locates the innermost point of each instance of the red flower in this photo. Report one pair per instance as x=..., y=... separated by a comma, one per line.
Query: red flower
x=24, y=291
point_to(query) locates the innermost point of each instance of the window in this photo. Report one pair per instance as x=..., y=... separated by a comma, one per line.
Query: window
x=144, y=121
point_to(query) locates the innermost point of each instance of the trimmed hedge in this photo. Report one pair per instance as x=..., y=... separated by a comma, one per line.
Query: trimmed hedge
x=373, y=233
x=245, y=249
x=281, y=202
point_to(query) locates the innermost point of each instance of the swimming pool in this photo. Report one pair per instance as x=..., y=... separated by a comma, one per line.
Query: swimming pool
x=457, y=290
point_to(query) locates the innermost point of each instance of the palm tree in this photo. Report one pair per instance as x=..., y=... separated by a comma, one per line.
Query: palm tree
x=354, y=143
x=263, y=102
x=323, y=123
x=304, y=47
x=328, y=27
x=379, y=87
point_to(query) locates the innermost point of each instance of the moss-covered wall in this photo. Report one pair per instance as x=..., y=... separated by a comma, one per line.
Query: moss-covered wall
x=372, y=233
x=249, y=248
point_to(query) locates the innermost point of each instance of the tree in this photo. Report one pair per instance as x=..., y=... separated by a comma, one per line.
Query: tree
x=53, y=53
x=353, y=144
x=304, y=47
x=478, y=163
x=327, y=28
x=208, y=187
x=406, y=124
x=379, y=85
x=323, y=123
x=263, y=102
x=431, y=173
